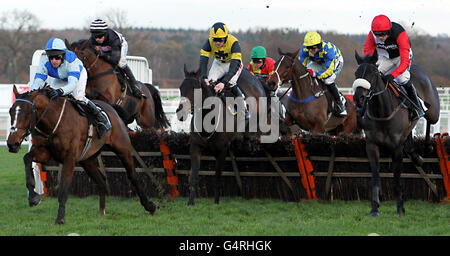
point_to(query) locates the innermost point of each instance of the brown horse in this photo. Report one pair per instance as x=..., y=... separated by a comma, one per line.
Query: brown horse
x=51, y=124
x=103, y=84
x=307, y=105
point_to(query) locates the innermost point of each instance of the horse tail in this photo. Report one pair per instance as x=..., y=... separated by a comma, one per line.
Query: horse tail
x=161, y=118
x=123, y=114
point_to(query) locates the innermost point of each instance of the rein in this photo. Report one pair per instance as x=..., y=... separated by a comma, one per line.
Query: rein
x=372, y=94
x=93, y=63
x=33, y=127
x=290, y=71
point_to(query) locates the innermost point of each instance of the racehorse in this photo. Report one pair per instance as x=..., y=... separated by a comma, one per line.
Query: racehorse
x=215, y=142
x=307, y=105
x=386, y=121
x=60, y=132
x=103, y=84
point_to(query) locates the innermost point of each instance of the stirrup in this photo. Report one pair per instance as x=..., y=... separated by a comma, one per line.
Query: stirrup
x=343, y=113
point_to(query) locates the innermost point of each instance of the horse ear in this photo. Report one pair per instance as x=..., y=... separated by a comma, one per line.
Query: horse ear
x=297, y=52
x=16, y=93
x=185, y=70
x=280, y=52
x=197, y=73
x=358, y=58
x=374, y=57
x=67, y=45
x=84, y=45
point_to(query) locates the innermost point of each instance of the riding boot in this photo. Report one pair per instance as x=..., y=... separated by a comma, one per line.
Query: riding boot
x=337, y=99
x=102, y=122
x=133, y=83
x=412, y=94
x=241, y=97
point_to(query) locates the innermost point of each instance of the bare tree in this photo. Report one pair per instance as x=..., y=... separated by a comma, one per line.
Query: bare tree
x=17, y=28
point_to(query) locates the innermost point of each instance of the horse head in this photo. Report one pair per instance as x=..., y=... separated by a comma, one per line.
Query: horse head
x=366, y=75
x=283, y=69
x=26, y=113
x=21, y=114
x=190, y=83
x=87, y=55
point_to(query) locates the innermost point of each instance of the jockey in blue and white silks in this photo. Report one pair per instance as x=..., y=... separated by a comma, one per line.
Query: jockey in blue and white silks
x=70, y=77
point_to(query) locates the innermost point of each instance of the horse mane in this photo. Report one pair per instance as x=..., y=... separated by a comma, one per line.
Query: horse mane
x=78, y=43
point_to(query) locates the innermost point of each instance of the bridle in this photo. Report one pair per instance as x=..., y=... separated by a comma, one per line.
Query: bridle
x=371, y=94
x=86, y=61
x=290, y=70
x=198, y=85
x=33, y=124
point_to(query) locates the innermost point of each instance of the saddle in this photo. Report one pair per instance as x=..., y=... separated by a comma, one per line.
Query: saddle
x=407, y=102
x=83, y=110
x=332, y=108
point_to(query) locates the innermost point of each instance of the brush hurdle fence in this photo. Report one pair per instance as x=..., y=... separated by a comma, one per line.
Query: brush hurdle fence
x=305, y=167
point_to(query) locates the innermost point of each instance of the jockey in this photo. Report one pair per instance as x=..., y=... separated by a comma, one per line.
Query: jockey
x=394, y=56
x=261, y=66
x=227, y=62
x=323, y=60
x=113, y=48
x=69, y=78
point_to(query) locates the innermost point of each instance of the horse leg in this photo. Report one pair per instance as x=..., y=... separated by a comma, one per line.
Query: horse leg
x=428, y=144
x=33, y=197
x=195, y=166
x=397, y=162
x=373, y=154
x=91, y=168
x=411, y=150
x=127, y=160
x=63, y=190
x=146, y=115
x=220, y=159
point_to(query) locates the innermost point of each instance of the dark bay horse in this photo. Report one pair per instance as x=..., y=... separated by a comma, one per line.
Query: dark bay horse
x=307, y=104
x=386, y=122
x=103, y=84
x=60, y=132
x=214, y=141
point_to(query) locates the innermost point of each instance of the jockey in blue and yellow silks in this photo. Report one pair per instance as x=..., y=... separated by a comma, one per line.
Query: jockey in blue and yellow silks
x=70, y=77
x=323, y=60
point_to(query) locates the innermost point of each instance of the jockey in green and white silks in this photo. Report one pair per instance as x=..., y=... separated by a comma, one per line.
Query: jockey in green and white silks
x=70, y=77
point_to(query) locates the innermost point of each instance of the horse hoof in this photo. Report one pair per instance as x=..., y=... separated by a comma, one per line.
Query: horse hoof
x=151, y=209
x=34, y=201
x=190, y=203
x=401, y=212
x=374, y=214
x=59, y=221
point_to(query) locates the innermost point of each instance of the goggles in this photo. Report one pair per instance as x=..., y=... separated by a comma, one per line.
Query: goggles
x=313, y=47
x=380, y=33
x=257, y=61
x=99, y=35
x=218, y=39
x=56, y=57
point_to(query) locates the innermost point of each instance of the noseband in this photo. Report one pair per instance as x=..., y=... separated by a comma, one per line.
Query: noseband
x=33, y=125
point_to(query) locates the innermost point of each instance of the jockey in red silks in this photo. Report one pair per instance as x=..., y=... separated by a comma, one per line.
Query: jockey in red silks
x=392, y=44
x=261, y=66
